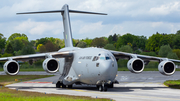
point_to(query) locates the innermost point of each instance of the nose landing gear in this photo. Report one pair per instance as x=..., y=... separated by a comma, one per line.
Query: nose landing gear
x=102, y=87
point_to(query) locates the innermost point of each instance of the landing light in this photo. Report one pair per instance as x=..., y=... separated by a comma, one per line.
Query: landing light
x=79, y=75
x=116, y=75
x=79, y=62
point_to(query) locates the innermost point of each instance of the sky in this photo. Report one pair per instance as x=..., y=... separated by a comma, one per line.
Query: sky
x=138, y=17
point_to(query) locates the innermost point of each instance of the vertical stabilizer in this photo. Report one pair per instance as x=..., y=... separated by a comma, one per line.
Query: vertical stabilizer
x=67, y=26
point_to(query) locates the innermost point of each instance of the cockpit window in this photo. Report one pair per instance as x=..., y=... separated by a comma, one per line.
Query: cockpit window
x=107, y=58
x=102, y=58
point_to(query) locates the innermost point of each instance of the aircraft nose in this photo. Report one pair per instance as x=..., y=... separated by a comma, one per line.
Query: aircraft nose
x=105, y=69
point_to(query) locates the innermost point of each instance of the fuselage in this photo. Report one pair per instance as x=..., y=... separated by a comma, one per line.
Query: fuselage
x=93, y=65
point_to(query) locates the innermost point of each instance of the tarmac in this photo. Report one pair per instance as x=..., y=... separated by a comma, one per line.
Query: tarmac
x=147, y=85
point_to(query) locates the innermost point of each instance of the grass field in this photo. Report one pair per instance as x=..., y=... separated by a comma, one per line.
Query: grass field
x=173, y=84
x=15, y=95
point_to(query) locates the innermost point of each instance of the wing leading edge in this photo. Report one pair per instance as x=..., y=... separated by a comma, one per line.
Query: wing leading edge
x=40, y=56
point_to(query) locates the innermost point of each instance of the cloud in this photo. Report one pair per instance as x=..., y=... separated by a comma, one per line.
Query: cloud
x=140, y=17
x=166, y=9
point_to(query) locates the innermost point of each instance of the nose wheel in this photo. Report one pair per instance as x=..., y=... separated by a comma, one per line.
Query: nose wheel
x=103, y=88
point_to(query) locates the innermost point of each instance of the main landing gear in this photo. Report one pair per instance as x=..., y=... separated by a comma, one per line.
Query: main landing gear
x=61, y=85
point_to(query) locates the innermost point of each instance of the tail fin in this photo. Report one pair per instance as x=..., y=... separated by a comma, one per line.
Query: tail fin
x=66, y=21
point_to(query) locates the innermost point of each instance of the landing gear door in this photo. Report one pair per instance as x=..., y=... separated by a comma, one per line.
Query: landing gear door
x=61, y=68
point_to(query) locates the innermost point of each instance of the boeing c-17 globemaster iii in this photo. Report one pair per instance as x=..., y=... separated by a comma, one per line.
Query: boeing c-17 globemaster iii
x=92, y=66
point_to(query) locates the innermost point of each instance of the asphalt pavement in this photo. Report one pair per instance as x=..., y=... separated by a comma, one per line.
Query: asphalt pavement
x=147, y=85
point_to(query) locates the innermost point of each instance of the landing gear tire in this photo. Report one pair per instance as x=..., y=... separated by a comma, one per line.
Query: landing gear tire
x=63, y=86
x=69, y=86
x=111, y=85
x=105, y=88
x=58, y=84
x=102, y=88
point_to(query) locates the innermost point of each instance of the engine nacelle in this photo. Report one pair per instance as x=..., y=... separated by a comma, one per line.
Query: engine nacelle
x=11, y=67
x=135, y=65
x=51, y=65
x=167, y=68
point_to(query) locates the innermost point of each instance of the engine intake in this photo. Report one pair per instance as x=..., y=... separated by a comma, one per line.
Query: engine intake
x=167, y=68
x=51, y=65
x=135, y=65
x=11, y=67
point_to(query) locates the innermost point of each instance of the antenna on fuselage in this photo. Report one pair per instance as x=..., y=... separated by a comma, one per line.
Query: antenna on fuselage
x=66, y=21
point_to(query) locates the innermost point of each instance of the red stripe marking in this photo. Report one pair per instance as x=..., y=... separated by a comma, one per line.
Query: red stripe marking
x=37, y=82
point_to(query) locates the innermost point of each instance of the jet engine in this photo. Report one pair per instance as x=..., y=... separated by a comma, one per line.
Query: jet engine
x=11, y=67
x=135, y=65
x=167, y=68
x=51, y=65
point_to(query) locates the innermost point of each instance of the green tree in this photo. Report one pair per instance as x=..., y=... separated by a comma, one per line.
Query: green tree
x=99, y=42
x=42, y=49
x=50, y=47
x=17, y=44
x=149, y=53
x=164, y=50
x=124, y=40
x=27, y=50
x=153, y=42
x=15, y=35
x=38, y=47
x=140, y=42
x=110, y=39
x=157, y=40
x=9, y=49
x=33, y=43
x=110, y=47
x=75, y=42
x=178, y=32
x=126, y=48
x=87, y=41
x=172, y=55
x=177, y=51
x=2, y=41
x=82, y=44
x=42, y=41
x=115, y=38
x=176, y=42
x=53, y=40
x=7, y=55
x=60, y=43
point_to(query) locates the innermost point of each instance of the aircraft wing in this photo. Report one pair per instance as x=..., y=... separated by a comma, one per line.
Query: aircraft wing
x=50, y=64
x=145, y=58
x=39, y=56
x=136, y=62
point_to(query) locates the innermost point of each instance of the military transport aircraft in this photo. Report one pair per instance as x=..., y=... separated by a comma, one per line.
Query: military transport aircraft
x=92, y=66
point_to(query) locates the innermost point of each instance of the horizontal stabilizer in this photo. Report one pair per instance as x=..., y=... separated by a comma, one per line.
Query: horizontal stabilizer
x=57, y=11
x=74, y=11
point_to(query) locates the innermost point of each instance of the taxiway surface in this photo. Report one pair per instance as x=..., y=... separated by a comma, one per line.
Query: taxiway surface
x=132, y=87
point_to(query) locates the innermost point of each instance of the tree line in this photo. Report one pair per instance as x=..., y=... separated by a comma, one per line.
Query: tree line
x=159, y=44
